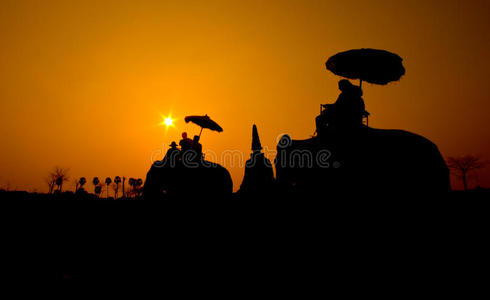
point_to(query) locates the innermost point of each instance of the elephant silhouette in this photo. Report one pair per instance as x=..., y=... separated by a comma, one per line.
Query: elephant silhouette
x=363, y=161
x=194, y=179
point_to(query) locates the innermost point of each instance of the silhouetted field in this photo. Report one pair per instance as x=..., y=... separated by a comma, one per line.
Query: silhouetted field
x=295, y=241
x=477, y=193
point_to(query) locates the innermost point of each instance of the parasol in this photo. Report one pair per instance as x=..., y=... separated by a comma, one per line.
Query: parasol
x=204, y=122
x=371, y=65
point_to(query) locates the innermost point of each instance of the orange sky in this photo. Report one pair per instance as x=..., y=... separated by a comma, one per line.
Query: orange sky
x=83, y=84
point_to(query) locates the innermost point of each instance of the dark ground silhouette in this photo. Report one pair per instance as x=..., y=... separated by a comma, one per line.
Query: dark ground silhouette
x=245, y=244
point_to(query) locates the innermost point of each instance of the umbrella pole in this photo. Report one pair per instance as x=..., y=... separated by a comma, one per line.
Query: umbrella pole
x=200, y=132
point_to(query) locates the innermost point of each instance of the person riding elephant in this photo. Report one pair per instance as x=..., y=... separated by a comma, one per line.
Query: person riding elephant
x=346, y=113
x=347, y=156
x=189, y=177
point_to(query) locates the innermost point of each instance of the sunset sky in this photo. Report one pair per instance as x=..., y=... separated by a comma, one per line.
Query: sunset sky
x=84, y=84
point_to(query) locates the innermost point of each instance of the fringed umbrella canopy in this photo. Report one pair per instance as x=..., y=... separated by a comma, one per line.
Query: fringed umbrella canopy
x=371, y=65
x=204, y=122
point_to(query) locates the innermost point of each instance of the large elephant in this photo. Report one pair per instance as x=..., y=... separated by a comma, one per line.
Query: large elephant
x=367, y=161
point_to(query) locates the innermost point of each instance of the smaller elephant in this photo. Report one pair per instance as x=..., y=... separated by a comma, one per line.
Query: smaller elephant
x=192, y=180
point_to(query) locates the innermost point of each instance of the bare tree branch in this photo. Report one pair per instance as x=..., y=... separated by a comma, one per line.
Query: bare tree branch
x=464, y=166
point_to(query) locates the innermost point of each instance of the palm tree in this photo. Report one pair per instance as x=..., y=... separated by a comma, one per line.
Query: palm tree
x=132, y=181
x=81, y=182
x=117, y=181
x=138, y=185
x=95, y=182
x=108, y=181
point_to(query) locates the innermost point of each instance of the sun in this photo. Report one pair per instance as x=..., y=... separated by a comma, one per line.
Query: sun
x=168, y=122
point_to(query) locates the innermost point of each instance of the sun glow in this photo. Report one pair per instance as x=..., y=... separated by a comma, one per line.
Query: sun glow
x=168, y=121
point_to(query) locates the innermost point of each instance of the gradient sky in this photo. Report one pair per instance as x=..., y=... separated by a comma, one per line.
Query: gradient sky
x=83, y=84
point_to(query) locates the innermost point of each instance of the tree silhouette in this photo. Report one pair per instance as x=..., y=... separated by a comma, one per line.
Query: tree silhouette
x=108, y=181
x=96, y=182
x=132, y=182
x=117, y=181
x=136, y=186
x=464, y=166
x=80, y=183
x=51, y=181
x=98, y=190
x=58, y=176
x=138, y=183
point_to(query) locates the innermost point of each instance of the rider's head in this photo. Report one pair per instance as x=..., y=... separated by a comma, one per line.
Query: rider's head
x=344, y=84
x=347, y=87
